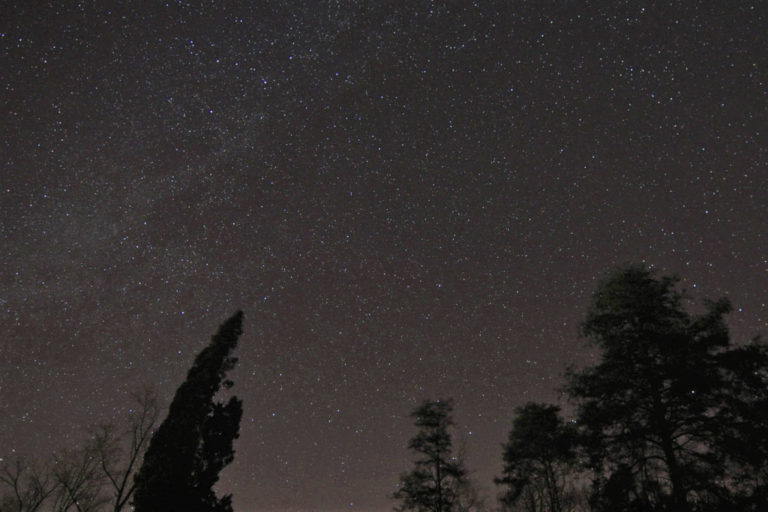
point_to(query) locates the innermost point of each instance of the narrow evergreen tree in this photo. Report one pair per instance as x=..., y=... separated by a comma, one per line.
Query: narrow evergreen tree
x=194, y=443
x=433, y=485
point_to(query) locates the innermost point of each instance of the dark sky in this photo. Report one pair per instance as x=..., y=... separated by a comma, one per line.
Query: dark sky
x=409, y=200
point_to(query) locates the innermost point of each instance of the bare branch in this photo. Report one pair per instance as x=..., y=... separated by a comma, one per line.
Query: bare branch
x=120, y=453
x=31, y=484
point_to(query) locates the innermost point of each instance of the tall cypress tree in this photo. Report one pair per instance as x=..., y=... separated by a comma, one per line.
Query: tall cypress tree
x=194, y=443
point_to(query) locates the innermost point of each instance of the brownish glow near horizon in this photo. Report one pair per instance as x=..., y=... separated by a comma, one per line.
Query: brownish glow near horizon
x=408, y=202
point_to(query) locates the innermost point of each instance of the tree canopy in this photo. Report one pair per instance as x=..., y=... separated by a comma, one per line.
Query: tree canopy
x=667, y=397
x=538, y=458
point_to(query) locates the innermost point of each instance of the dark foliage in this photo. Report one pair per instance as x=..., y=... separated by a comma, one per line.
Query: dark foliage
x=538, y=458
x=194, y=443
x=673, y=415
x=436, y=481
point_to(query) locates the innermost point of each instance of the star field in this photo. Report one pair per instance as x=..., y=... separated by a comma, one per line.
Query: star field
x=409, y=200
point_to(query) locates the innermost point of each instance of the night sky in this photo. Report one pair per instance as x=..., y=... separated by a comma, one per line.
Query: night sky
x=409, y=200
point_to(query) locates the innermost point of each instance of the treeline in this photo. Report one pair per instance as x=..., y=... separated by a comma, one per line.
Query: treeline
x=145, y=467
x=96, y=477
x=673, y=418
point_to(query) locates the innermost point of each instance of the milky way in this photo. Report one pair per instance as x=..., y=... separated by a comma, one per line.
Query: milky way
x=409, y=200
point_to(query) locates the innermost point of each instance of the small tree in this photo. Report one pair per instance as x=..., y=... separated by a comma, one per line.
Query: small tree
x=538, y=460
x=119, y=452
x=194, y=443
x=436, y=481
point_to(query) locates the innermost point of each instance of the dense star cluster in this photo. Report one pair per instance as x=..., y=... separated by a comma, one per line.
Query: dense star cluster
x=409, y=200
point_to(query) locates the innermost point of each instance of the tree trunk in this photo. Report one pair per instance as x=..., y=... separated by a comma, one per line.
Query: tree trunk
x=554, y=498
x=679, y=493
x=439, y=486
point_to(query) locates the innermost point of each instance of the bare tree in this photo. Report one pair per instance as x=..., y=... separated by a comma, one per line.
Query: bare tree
x=120, y=451
x=30, y=484
x=92, y=478
x=79, y=481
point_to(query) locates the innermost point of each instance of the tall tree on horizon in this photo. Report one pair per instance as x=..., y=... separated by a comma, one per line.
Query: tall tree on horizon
x=194, y=442
x=667, y=399
x=436, y=481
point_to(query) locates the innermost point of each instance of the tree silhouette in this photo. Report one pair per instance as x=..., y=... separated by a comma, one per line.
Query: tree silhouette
x=90, y=477
x=30, y=484
x=436, y=481
x=743, y=437
x=119, y=451
x=667, y=394
x=194, y=442
x=538, y=459
x=79, y=482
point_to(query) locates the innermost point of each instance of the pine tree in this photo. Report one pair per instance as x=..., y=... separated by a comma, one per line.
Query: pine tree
x=667, y=399
x=194, y=443
x=538, y=459
x=434, y=484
